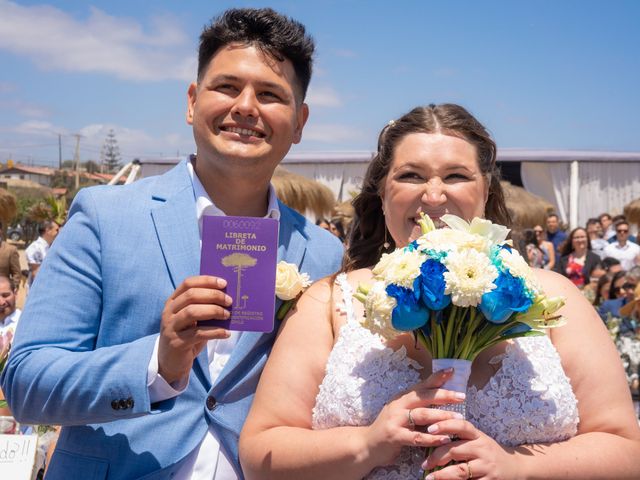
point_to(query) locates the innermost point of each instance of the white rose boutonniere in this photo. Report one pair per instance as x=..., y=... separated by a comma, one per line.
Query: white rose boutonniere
x=290, y=284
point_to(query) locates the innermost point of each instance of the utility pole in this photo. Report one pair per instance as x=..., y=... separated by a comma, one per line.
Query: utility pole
x=76, y=158
x=59, y=152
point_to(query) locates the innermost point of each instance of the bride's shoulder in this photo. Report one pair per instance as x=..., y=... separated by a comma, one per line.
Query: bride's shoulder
x=555, y=284
x=360, y=275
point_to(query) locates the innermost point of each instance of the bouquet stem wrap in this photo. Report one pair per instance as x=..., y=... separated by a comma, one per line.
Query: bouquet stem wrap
x=458, y=381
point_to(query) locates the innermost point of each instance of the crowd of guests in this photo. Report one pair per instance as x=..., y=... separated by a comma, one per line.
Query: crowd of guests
x=602, y=259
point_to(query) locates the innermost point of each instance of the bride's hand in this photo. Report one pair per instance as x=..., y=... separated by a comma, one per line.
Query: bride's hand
x=478, y=455
x=402, y=421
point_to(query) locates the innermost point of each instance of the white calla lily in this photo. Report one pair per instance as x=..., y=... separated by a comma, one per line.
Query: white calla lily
x=496, y=234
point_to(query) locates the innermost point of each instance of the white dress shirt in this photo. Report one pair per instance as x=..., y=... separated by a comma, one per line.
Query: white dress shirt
x=10, y=322
x=207, y=461
x=627, y=254
x=35, y=254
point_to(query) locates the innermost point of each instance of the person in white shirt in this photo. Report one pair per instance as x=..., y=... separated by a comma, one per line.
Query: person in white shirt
x=623, y=249
x=37, y=251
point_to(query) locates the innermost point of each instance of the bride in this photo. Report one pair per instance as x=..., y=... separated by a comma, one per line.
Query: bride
x=336, y=401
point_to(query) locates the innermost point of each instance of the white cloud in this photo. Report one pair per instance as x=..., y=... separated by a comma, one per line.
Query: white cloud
x=102, y=43
x=331, y=133
x=345, y=53
x=38, y=128
x=323, y=97
x=7, y=87
x=23, y=109
x=134, y=143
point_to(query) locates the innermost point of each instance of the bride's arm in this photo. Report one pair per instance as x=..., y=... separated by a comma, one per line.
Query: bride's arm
x=607, y=445
x=277, y=440
x=608, y=441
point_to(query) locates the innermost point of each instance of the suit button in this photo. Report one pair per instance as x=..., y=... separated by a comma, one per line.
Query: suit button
x=129, y=402
x=122, y=404
x=115, y=405
x=211, y=402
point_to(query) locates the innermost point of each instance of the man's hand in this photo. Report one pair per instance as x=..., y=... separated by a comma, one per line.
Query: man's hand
x=181, y=338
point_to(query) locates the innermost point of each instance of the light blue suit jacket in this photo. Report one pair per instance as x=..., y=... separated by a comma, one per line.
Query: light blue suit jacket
x=86, y=335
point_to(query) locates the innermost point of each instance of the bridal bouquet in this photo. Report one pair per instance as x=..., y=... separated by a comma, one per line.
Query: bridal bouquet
x=460, y=290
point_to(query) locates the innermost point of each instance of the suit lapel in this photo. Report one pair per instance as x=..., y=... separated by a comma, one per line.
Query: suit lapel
x=291, y=248
x=174, y=217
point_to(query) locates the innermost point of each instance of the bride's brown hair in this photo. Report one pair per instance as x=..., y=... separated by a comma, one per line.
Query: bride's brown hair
x=368, y=230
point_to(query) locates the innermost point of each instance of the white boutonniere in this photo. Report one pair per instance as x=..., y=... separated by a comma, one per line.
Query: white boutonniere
x=290, y=284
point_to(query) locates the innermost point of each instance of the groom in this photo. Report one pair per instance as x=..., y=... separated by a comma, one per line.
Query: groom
x=109, y=344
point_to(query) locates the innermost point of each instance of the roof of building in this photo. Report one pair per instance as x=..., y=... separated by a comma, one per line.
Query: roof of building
x=19, y=168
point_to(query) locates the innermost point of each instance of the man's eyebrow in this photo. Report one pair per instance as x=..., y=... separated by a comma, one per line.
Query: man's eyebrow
x=261, y=83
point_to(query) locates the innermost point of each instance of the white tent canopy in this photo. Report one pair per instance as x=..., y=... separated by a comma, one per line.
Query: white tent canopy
x=579, y=183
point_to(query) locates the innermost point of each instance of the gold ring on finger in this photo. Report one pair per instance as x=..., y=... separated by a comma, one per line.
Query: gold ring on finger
x=412, y=424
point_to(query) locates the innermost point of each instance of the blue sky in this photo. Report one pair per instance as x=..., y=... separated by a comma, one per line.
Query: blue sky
x=539, y=74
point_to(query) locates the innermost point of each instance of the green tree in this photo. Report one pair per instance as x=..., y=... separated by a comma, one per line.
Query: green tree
x=110, y=153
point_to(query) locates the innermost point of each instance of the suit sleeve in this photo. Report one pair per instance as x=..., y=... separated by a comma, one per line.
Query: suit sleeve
x=55, y=373
x=15, y=272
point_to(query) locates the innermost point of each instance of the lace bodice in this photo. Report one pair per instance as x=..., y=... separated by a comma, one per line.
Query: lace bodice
x=528, y=400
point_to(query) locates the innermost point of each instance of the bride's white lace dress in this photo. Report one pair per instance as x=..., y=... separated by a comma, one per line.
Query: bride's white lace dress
x=528, y=400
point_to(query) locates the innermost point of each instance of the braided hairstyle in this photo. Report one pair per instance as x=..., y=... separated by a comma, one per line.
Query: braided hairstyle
x=369, y=232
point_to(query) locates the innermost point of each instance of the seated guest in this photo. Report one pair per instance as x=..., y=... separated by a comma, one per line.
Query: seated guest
x=607, y=226
x=547, y=248
x=9, y=314
x=532, y=252
x=630, y=315
x=611, y=265
x=595, y=232
x=602, y=289
x=590, y=290
x=577, y=261
x=623, y=249
x=617, y=219
x=554, y=234
x=621, y=293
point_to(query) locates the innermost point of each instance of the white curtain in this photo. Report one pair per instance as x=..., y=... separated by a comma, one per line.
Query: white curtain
x=603, y=186
x=344, y=179
x=606, y=187
x=549, y=180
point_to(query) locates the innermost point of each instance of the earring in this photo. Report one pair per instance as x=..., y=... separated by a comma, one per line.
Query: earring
x=386, y=243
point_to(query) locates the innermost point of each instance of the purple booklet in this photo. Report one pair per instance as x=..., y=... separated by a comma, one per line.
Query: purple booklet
x=243, y=251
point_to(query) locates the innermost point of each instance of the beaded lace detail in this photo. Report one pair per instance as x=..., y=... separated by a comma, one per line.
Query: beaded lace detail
x=528, y=400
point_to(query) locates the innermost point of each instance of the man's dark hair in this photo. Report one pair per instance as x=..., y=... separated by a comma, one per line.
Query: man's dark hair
x=592, y=221
x=619, y=222
x=44, y=226
x=12, y=284
x=609, y=262
x=272, y=33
